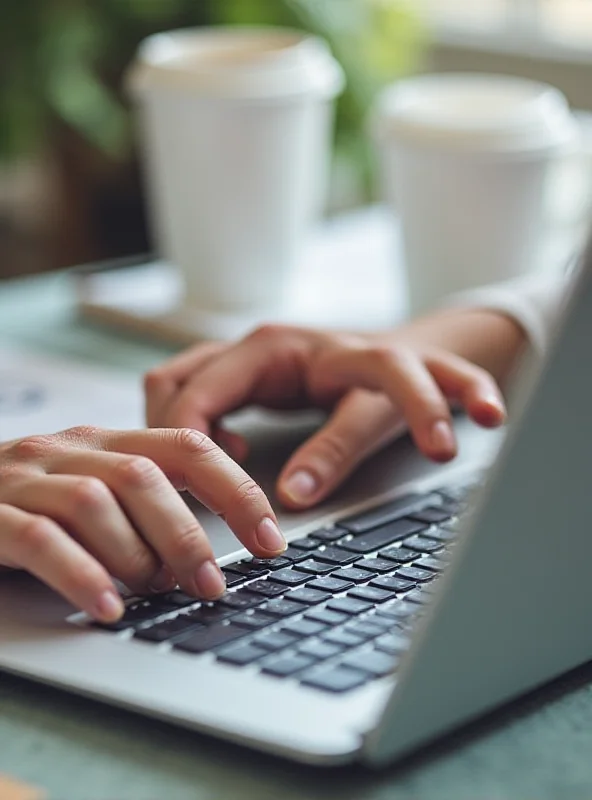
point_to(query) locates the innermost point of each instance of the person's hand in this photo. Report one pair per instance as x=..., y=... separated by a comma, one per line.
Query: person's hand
x=374, y=387
x=83, y=505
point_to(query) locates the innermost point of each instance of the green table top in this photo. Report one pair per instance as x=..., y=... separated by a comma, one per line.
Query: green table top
x=81, y=750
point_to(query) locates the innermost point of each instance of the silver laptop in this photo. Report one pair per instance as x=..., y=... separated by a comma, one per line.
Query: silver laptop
x=420, y=598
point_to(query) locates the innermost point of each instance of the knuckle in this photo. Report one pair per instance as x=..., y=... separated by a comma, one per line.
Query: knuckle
x=154, y=378
x=82, y=434
x=247, y=492
x=388, y=357
x=188, y=543
x=140, y=566
x=35, y=536
x=88, y=494
x=137, y=472
x=332, y=450
x=269, y=332
x=32, y=448
x=194, y=443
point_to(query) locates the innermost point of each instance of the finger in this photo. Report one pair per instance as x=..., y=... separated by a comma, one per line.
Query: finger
x=362, y=423
x=400, y=373
x=84, y=506
x=38, y=545
x=473, y=386
x=162, y=383
x=232, y=443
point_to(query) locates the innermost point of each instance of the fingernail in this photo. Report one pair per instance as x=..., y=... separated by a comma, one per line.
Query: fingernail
x=269, y=536
x=300, y=485
x=210, y=580
x=443, y=437
x=162, y=581
x=109, y=607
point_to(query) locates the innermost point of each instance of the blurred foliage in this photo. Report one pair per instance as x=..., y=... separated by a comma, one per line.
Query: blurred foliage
x=64, y=59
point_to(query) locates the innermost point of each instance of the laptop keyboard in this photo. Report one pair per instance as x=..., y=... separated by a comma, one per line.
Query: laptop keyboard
x=333, y=612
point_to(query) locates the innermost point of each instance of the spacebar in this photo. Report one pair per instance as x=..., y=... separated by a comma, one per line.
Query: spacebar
x=379, y=537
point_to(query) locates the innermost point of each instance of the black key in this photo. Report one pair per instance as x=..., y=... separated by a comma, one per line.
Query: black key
x=290, y=577
x=308, y=596
x=275, y=640
x=304, y=627
x=363, y=628
x=352, y=575
x=233, y=578
x=240, y=654
x=415, y=574
x=248, y=569
x=177, y=599
x=429, y=562
x=377, y=565
x=372, y=594
x=400, y=555
x=268, y=563
x=348, y=605
x=452, y=506
x=209, y=614
x=254, y=621
x=315, y=567
x=431, y=515
x=374, y=662
x=443, y=534
x=330, y=584
x=209, y=638
x=392, y=643
x=304, y=544
x=329, y=534
x=342, y=638
x=114, y=627
x=266, y=588
x=142, y=611
x=241, y=599
x=168, y=629
x=319, y=650
x=281, y=608
x=293, y=555
x=392, y=583
x=336, y=679
x=422, y=544
x=397, y=509
x=380, y=537
x=335, y=555
x=326, y=617
x=282, y=666
x=397, y=610
x=417, y=596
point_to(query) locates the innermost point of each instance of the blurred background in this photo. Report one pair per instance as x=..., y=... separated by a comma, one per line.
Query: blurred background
x=70, y=184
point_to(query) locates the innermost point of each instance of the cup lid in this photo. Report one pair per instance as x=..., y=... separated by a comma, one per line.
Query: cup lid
x=237, y=61
x=477, y=113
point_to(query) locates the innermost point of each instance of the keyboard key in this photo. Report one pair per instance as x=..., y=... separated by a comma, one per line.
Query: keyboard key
x=283, y=666
x=363, y=628
x=335, y=555
x=163, y=631
x=240, y=654
x=208, y=614
x=335, y=679
x=266, y=588
x=308, y=596
x=443, y=534
x=268, y=563
x=275, y=640
x=144, y=610
x=281, y=608
x=353, y=575
x=392, y=643
x=396, y=509
x=290, y=577
x=319, y=650
x=248, y=569
x=397, y=610
x=304, y=627
x=315, y=567
x=325, y=616
x=422, y=544
x=209, y=638
x=431, y=514
x=305, y=544
x=342, y=638
x=348, y=605
x=329, y=534
x=417, y=596
x=393, y=583
x=330, y=584
x=372, y=594
x=429, y=562
x=176, y=599
x=415, y=574
x=233, y=578
x=380, y=537
x=377, y=564
x=400, y=555
x=375, y=662
x=241, y=599
x=254, y=620
x=293, y=555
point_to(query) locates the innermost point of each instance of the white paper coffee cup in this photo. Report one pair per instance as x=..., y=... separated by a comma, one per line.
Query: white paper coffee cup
x=464, y=161
x=236, y=126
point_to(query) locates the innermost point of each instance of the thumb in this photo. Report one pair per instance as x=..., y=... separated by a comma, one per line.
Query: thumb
x=362, y=423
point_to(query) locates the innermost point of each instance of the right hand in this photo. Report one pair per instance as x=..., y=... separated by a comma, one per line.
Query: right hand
x=80, y=506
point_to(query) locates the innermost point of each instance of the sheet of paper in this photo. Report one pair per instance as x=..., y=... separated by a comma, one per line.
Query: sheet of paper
x=44, y=394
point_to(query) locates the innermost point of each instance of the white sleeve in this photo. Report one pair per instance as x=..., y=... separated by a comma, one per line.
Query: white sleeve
x=533, y=300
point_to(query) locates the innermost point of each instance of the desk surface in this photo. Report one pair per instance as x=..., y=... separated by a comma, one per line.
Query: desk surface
x=80, y=750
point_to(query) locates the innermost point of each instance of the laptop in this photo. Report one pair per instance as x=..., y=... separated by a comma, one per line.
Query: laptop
x=420, y=598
